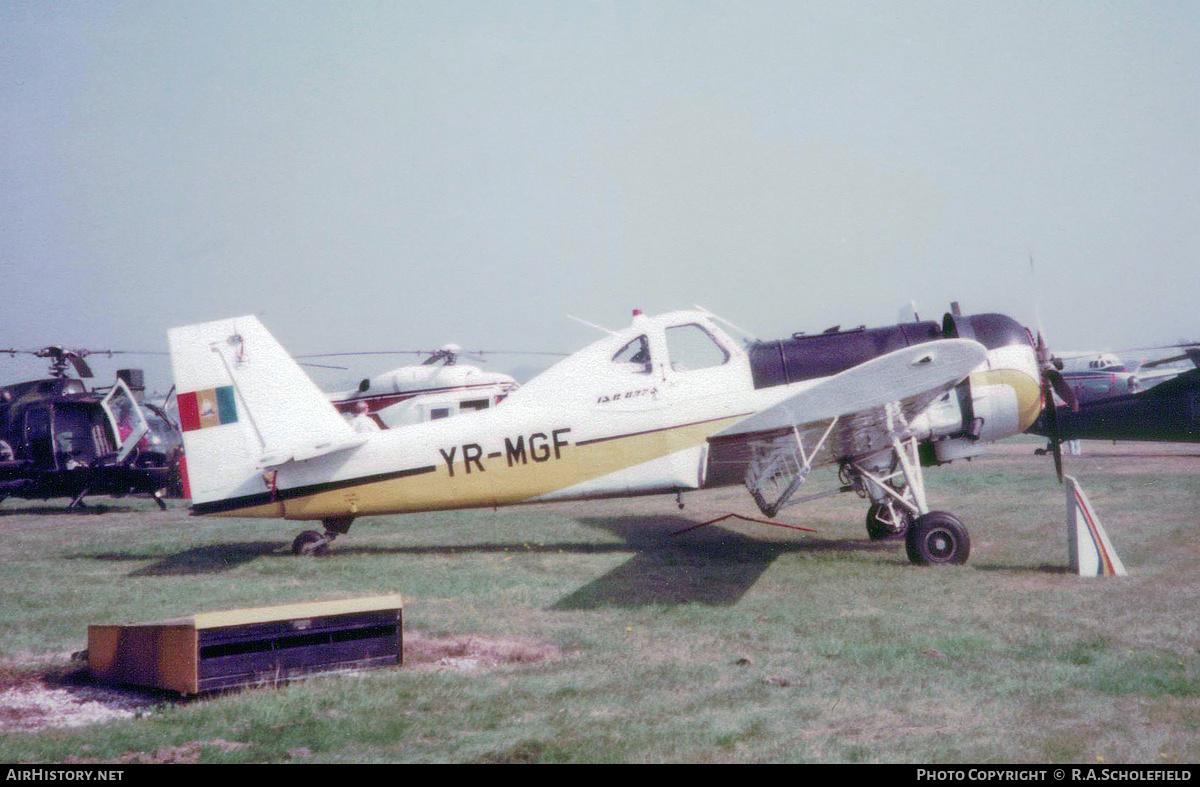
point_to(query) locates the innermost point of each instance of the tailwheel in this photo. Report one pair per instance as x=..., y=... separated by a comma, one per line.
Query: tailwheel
x=937, y=537
x=310, y=542
x=887, y=520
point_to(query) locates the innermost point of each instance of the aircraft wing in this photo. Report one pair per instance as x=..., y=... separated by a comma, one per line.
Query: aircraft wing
x=859, y=398
x=1152, y=378
x=1185, y=380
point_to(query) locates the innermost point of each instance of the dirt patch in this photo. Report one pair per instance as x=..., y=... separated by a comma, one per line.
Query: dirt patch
x=471, y=653
x=188, y=753
x=32, y=702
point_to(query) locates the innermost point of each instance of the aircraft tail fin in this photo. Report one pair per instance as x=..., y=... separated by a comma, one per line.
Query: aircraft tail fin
x=244, y=406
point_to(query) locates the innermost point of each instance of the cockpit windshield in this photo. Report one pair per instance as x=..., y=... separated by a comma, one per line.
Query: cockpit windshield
x=163, y=436
x=634, y=356
x=691, y=347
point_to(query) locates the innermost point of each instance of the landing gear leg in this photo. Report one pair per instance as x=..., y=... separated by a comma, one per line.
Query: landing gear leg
x=897, y=491
x=310, y=542
x=894, y=505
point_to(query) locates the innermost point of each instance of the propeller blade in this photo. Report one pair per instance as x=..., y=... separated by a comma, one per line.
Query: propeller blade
x=1052, y=377
x=1058, y=464
x=1052, y=427
x=1062, y=388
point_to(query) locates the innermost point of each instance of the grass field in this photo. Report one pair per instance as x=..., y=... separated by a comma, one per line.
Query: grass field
x=588, y=633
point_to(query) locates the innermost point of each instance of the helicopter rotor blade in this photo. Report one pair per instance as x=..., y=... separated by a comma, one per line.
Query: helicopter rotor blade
x=363, y=352
x=423, y=352
x=1164, y=361
x=1178, y=346
x=61, y=357
x=81, y=367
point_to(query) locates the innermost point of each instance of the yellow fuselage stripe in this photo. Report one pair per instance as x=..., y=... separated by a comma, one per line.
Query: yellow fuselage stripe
x=498, y=484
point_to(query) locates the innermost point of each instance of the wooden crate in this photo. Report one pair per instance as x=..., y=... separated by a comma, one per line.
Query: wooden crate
x=217, y=650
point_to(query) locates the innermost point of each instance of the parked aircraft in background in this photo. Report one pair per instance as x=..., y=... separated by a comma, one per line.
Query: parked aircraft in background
x=1167, y=412
x=59, y=439
x=438, y=387
x=1093, y=376
x=1098, y=375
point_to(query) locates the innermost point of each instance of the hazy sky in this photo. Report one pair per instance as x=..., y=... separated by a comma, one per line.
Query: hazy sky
x=406, y=174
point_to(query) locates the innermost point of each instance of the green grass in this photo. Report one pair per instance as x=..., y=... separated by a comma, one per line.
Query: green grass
x=732, y=643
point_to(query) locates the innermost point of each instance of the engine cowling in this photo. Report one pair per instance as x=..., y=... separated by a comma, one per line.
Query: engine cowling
x=1000, y=398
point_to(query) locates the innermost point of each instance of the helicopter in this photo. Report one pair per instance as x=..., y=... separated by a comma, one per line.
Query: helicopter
x=438, y=387
x=59, y=439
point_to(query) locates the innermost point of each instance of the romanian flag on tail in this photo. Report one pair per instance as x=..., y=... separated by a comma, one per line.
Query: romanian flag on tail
x=211, y=407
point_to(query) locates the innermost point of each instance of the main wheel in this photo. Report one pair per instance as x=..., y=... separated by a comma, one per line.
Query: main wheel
x=937, y=537
x=339, y=525
x=310, y=542
x=886, y=520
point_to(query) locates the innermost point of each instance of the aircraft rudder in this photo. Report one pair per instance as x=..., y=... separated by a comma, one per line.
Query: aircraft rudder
x=244, y=405
x=217, y=444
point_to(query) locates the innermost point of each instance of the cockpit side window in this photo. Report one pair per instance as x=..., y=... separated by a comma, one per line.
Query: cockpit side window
x=691, y=347
x=635, y=356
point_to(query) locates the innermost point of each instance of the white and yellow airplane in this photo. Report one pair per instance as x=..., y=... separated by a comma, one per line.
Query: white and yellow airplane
x=669, y=404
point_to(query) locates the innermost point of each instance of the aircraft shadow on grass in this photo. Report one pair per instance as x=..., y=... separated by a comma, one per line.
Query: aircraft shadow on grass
x=1045, y=568
x=709, y=565
x=50, y=510
x=212, y=559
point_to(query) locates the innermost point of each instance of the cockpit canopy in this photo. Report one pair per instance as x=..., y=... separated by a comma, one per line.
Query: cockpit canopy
x=689, y=347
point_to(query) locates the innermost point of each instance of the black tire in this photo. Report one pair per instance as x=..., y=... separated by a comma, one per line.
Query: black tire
x=338, y=524
x=878, y=529
x=310, y=542
x=937, y=538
